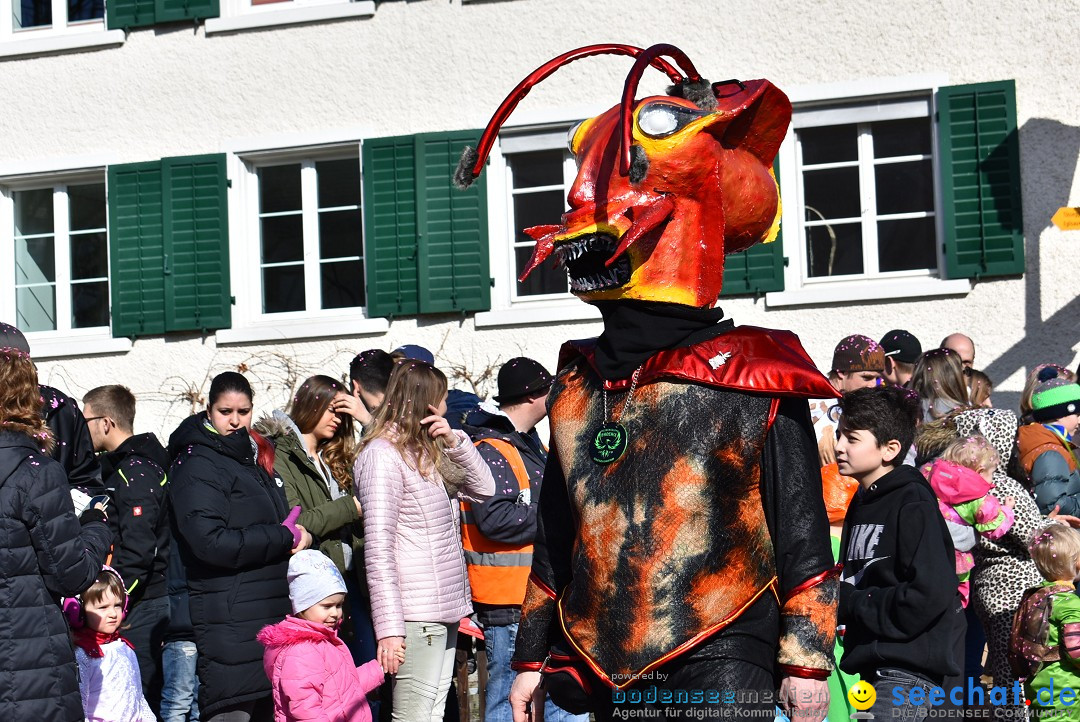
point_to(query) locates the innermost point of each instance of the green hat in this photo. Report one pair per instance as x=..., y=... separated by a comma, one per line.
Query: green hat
x=1055, y=397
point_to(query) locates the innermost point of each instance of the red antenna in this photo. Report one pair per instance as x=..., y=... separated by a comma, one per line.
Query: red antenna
x=472, y=161
x=644, y=59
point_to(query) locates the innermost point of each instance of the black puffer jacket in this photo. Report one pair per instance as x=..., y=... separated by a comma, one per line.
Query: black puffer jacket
x=46, y=555
x=74, y=449
x=227, y=515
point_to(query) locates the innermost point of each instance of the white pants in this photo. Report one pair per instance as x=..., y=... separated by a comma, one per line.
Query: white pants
x=423, y=680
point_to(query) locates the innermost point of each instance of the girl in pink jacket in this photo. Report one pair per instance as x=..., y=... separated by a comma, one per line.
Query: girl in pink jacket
x=311, y=671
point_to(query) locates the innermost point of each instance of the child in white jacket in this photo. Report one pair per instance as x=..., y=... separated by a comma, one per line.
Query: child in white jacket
x=109, y=680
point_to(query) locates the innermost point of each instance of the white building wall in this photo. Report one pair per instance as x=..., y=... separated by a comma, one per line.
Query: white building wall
x=439, y=65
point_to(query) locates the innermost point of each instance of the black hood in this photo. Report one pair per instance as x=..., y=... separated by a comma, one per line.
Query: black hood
x=14, y=448
x=192, y=431
x=480, y=423
x=145, y=446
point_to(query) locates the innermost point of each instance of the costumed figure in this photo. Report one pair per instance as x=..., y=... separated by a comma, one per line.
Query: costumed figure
x=682, y=559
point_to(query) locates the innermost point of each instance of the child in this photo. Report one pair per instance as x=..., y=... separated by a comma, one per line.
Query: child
x=962, y=479
x=109, y=680
x=311, y=671
x=903, y=627
x=1048, y=452
x=1054, y=656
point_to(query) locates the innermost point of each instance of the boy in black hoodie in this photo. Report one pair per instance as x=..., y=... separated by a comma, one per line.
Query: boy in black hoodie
x=904, y=624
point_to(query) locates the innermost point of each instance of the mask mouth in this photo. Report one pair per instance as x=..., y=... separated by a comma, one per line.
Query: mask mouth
x=586, y=259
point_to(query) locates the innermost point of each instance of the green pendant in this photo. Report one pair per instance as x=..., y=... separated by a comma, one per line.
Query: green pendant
x=609, y=444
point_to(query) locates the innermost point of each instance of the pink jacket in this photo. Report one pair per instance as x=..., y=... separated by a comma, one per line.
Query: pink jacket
x=412, y=540
x=312, y=675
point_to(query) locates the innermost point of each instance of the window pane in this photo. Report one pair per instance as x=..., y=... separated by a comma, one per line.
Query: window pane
x=89, y=256
x=834, y=250
x=279, y=188
x=87, y=207
x=538, y=168
x=342, y=284
x=282, y=239
x=536, y=209
x=283, y=289
x=35, y=260
x=90, y=304
x=829, y=144
x=545, y=279
x=832, y=193
x=901, y=137
x=340, y=234
x=85, y=10
x=31, y=13
x=339, y=182
x=906, y=245
x=35, y=308
x=904, y=187
x=34, y=212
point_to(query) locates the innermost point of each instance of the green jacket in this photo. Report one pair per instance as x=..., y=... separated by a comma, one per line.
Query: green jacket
x=330, y=521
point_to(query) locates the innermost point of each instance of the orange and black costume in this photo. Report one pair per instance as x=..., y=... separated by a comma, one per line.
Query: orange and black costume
x=714, y=514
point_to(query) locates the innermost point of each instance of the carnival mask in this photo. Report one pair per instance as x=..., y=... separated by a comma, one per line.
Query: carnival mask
x=666, y=185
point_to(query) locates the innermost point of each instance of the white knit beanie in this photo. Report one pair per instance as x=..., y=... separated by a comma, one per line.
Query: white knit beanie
x=312, y=578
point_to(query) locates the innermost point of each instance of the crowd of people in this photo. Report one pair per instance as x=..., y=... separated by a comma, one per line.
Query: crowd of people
x=319, y=562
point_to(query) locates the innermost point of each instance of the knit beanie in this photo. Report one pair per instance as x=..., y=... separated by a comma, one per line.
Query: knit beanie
x=1054, y=397
x=312, y=578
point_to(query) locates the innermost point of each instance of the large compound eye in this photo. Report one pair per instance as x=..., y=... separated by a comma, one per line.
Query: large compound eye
x=659, y=120
x=571, y=133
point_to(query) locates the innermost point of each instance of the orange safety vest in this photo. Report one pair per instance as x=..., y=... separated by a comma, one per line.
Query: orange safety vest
x=498, y=572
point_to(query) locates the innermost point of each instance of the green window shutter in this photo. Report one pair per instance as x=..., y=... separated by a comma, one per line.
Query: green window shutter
x=195, y=216
x=136, y=249
x=980, y=180
x=124, y=14
x=390, y=242
x=757, y=270
x=168, y=11
x=453, y=238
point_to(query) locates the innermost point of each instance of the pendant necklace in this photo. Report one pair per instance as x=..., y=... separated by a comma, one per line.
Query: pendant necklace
x=609, y=443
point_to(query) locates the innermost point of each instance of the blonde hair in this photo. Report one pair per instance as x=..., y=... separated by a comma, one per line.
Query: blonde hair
x=1055, y=551
x=413, y=386
x=980, y=387
x=974, y=452
x=939, y=374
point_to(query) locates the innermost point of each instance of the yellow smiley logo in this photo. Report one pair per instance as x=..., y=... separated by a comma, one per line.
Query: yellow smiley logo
x=862, y=696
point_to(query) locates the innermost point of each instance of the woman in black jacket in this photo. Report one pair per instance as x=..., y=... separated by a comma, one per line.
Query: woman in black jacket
x=47, y=555
x=229, y=517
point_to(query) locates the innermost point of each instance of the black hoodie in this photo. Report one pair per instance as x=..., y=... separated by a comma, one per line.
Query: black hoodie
x=134, y=475
x=898, y=591
x=74, y=449
x=226, y=513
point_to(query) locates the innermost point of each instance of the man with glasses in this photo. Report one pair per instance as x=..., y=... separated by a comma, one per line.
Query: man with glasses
x=962, y=345
x=133, y=466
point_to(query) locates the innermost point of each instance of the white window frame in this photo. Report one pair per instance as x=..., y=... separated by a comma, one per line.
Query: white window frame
x=64, y=340
x=242, y=15
x=547, y=132
x=858, y=102
x=58, y=37
x=250, y=324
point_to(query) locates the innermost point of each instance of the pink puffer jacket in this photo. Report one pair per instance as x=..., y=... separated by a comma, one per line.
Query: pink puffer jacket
x=412, y=540
x=312, y=674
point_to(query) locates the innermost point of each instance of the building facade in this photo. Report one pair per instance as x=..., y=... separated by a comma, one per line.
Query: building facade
x=191, y=187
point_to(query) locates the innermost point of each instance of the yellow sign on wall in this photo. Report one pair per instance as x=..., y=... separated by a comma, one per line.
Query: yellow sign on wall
x=1067, y=219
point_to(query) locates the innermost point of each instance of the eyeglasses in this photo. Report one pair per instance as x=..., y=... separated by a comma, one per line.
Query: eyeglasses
x=95, y=418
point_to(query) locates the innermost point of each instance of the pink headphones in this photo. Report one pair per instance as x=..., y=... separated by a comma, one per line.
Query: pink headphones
x=72, y=606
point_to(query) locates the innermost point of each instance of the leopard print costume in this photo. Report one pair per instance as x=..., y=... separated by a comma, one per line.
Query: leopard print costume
x=1003, y=567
